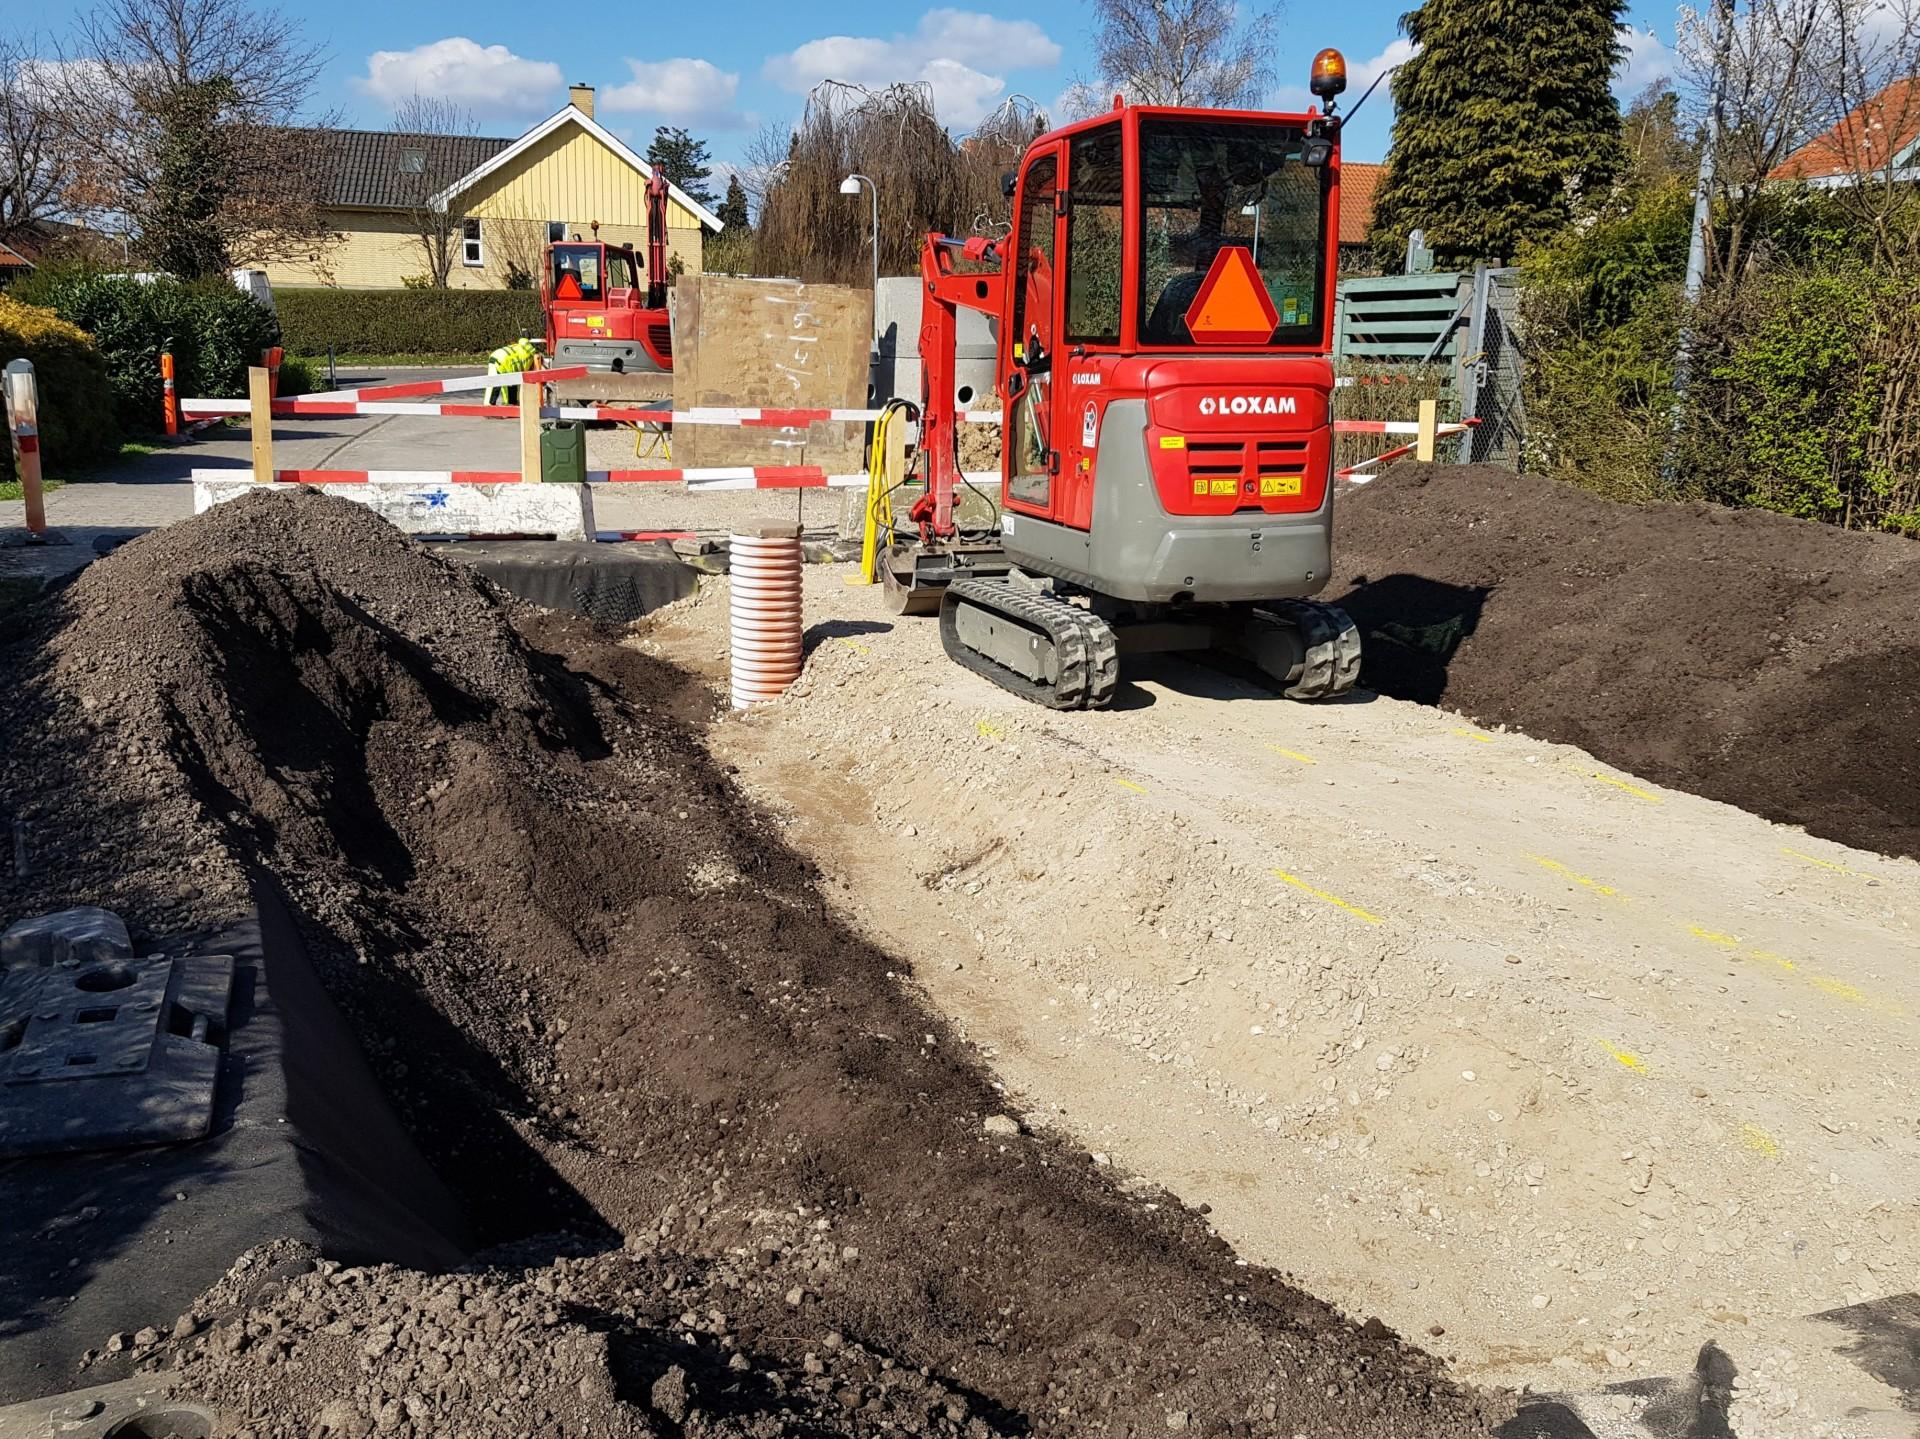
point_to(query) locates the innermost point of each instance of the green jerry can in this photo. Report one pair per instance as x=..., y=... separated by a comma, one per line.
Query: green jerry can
x=563, y=453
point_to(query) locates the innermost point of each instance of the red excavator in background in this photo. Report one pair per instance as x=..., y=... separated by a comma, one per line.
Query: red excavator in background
x=1165, y=301
x=602, y=310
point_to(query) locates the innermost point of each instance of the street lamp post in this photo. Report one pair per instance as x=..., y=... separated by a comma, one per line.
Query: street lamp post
x=851, y=186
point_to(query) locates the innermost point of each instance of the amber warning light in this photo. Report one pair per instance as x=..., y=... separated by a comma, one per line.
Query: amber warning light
x=1329, y=74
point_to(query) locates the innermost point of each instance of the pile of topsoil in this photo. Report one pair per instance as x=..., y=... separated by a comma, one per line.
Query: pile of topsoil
x=1769, y=662
x=740, y=1180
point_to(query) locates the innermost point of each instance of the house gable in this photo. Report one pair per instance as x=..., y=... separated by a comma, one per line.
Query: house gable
x=566, y=164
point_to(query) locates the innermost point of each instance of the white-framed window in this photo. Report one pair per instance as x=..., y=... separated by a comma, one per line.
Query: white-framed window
x=556, y=231
x=472, y=253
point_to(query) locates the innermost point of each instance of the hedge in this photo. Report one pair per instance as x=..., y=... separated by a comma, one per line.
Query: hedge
x=215, y=331
x=76, y=400
x=406, y=322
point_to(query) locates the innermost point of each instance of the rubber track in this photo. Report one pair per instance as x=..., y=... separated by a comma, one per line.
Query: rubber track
x=1086, y=654
x=1332, y=643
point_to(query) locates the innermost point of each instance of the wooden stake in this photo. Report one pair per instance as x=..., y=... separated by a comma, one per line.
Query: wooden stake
x=1429, y=424
x=530, y=433
x=260, y=417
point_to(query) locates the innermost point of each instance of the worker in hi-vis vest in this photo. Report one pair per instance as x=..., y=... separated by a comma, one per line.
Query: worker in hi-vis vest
x=511, y=359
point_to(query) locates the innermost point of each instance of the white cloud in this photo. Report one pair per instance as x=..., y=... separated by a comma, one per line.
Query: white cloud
x=961, y=54
x=1399, y=50
x=1648, y=59
x=689, y=90
x=486, y=78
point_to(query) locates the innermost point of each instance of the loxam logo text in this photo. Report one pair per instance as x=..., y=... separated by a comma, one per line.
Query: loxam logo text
x=1247, y=405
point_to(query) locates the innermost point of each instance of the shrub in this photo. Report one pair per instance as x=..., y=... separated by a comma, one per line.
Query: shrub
x=406, y=322
x=76, y=403
x=214, y=330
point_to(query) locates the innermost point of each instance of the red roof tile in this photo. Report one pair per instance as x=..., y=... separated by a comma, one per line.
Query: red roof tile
x=1870, y=137
x=1357, y=184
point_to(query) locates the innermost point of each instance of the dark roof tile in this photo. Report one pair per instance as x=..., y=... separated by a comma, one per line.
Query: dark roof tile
x=364, y=167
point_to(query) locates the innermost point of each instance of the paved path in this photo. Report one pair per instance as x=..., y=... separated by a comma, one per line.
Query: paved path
x=143, y=493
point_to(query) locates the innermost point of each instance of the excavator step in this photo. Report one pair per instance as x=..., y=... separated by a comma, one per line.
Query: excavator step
x=1037, y=645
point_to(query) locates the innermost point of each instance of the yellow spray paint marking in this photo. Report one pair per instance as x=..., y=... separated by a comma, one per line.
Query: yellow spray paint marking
x=1129, y=784
x=1292, y=754
x=855, y=646
x=1474, y=734
x=1816, y=860
x=1714, y=937
x=1620, y=784
x=1838, y=988
x=1582, y=880
x=1332, y=899
x=1771, y=958
x=1759, y=1141
x=987, y=731
x=1626, y=1058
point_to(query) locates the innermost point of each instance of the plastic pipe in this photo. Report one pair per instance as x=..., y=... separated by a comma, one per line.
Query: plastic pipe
x=764, y=612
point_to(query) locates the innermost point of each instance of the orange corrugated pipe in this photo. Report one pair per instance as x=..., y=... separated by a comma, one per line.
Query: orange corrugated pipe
x=764, y=612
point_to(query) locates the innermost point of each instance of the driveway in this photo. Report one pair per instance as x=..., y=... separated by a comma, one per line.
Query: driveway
x=144, y=492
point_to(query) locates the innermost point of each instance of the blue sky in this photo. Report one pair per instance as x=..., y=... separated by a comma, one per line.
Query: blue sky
x=722, y=70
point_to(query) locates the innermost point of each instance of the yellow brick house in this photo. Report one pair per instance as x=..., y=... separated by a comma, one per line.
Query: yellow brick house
x=512, y=196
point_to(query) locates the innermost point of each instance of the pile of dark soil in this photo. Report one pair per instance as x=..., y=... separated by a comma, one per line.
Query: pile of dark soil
x=614, y=1011
x=1769, y=662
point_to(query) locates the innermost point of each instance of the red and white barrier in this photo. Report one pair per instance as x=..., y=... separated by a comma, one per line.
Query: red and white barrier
x=335, y=406
x=1355, y=472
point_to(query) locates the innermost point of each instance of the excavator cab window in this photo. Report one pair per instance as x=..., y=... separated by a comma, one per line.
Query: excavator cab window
x=619, y=270
x=1207, y=186
x=1029, y=387
x=577, y=272
x=1096, y=232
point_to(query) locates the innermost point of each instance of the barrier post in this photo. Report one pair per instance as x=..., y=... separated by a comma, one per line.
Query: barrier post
x=260, y=416
x=23, y=420
x=169, y=401
x=529, y=432
x=271, y=359
x=1429, y=425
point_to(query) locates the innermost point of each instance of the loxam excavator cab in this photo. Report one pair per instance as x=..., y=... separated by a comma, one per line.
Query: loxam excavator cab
x=1165, y=300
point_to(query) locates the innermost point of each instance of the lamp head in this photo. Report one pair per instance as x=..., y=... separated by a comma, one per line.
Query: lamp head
x=850, y=185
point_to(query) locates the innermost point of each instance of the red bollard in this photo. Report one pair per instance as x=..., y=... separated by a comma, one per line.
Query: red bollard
x=169, y=402
x=271, y=359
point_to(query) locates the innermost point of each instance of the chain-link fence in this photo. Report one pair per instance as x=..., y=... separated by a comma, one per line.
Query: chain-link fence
x=1447, y=336
x=1489, y=371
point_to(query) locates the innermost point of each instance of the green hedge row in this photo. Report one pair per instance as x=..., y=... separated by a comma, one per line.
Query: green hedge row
x=76, y=403
x=215, y=332
x=405, y=322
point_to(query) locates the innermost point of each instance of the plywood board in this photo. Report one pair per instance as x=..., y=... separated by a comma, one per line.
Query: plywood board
x=776, y=344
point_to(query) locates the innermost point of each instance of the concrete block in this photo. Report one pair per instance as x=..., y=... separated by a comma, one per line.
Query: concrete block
x=429, y=506
x=82, y=935
x=896, y=358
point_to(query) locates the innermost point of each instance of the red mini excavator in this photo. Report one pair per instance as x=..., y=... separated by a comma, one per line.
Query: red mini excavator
x=602, y=311
x=1165, y=301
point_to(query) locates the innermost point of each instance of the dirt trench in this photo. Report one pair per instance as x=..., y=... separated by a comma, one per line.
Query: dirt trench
x=746, y=1180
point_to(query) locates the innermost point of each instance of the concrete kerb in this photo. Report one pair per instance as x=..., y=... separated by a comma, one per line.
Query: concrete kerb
x=429, y=504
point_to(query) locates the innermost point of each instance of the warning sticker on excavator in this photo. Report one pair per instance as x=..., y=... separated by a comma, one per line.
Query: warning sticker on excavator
x=1199, y=487
x=1279, y=485
x=596, y=322
x=1223, y=487
x=1173, y=442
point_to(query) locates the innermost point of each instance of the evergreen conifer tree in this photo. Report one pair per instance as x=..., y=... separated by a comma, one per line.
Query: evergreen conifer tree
x=1505, y=118
x=684, y=160
x=733, y=209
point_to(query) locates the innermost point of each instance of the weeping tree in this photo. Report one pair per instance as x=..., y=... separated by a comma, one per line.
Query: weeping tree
x=926, y=181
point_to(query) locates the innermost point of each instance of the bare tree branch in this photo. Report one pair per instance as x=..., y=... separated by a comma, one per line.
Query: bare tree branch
x=1182, y=52
x=429, y=135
